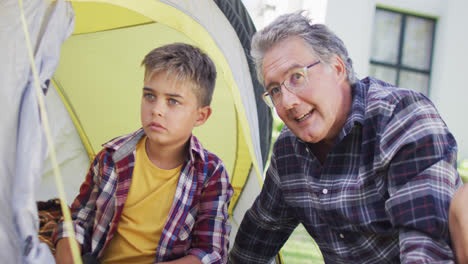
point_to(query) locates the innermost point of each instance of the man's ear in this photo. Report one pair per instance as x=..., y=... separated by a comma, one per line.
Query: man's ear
x=204, y=113
x=339, y=68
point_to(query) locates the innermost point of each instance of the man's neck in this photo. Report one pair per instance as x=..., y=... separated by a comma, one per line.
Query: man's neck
x=321, y=150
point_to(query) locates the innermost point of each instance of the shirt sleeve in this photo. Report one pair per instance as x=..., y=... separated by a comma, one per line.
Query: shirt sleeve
x=83, y=207
x=212, y=228
x=422, y=178
x=266, y=226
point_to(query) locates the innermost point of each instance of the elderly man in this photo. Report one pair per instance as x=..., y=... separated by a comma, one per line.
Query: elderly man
x=458, y=222
x=369, y=169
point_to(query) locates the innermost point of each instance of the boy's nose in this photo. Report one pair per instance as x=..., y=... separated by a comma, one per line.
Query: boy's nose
x=158, y=109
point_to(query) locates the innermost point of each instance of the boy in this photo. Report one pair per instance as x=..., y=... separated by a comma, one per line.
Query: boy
x=156, y=195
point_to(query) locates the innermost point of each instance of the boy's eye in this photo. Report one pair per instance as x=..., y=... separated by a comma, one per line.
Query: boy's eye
x=148, y=96
x=173, y=101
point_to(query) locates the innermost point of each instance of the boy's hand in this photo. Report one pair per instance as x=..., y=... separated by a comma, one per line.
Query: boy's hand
x=63, y=254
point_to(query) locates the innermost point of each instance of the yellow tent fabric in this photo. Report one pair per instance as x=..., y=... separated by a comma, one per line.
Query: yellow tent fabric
x=100, y=79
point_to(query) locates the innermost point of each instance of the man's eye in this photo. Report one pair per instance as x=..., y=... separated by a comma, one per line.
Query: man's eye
x=148, y=96
x=173, y=101
x=275, y=91
x=296, y=78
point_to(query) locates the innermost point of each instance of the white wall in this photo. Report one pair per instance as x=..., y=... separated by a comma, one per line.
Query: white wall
x=424, y=7
x=263, y=12
x=449, y=89
x=352, y=21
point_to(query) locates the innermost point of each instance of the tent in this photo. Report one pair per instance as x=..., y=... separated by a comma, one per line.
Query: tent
x=94, y=94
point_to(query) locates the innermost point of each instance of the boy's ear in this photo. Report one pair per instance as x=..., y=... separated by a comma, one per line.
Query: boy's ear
x=204, y=113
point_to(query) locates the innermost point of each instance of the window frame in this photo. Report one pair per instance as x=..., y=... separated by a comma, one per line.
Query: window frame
x=398, y=66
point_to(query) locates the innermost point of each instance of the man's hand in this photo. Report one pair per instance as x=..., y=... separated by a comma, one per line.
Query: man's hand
x=63, y=254
x=458, y=223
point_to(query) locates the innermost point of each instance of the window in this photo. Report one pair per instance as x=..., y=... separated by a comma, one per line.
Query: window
x=402, y=49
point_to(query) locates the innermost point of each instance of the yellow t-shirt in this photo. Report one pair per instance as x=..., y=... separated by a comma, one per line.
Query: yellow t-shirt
x=145, y=212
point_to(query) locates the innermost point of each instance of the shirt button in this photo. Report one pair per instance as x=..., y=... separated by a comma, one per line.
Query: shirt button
x=324, y=191
x=341, y=235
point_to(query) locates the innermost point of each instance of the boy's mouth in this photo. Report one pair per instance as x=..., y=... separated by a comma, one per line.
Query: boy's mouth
x=156, y=126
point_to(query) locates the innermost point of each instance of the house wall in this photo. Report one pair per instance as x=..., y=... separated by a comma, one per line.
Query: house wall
x=449, y=89
x=352, y=21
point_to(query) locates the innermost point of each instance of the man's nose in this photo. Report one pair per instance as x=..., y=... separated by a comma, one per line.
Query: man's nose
x=288, y=98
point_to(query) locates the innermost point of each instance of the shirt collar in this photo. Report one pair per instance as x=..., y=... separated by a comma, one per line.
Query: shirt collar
x=358, y=106
x=196, y=149
x=125, y=145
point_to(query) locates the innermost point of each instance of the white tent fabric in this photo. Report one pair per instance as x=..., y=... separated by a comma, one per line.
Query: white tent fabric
x=72, y=157
x=207, y=14
x=9, y=101
x=22, y=145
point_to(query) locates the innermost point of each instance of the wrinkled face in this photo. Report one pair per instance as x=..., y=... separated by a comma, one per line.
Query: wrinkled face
x=170, y=110
x=318, y=111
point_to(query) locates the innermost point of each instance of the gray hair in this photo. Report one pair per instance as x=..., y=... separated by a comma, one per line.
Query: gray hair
x=186, y=63
x=323, y=42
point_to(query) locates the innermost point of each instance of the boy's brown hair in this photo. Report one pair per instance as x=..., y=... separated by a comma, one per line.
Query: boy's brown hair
x=186, y=63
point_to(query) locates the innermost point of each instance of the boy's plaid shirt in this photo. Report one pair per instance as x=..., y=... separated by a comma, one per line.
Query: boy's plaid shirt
x=198, y=219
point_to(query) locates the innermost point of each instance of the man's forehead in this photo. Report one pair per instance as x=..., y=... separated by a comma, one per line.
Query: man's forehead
x=284, y=57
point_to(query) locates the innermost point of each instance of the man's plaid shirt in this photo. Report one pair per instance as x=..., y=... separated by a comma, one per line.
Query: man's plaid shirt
x=197, y=223
x=381, y=196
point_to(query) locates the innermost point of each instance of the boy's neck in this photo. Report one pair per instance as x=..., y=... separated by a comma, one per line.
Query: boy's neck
x=166, y=158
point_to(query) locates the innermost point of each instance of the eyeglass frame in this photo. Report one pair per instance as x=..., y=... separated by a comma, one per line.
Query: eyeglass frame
x=266, y=95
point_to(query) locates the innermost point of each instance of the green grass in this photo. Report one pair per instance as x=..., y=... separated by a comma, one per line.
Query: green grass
x=301, y=249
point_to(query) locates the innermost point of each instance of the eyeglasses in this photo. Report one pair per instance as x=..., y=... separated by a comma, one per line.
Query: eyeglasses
x=296, y=81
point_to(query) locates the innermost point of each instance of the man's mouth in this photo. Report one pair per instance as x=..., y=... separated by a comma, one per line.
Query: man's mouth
x=304, y=116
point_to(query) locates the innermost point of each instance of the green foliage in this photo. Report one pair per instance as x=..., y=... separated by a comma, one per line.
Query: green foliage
x=277, y=126
x=463, y=170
